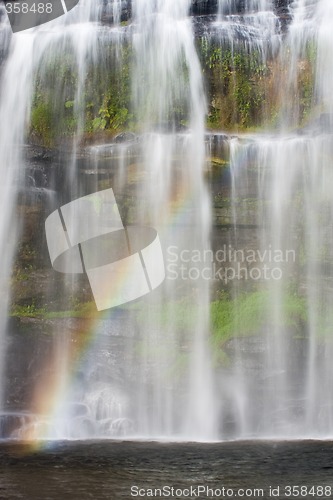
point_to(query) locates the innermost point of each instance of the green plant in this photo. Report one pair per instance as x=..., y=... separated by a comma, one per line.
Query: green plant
x=42, y=122
x=28, y=311
x=249, y=313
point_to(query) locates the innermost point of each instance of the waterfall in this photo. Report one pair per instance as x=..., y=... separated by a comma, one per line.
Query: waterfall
x=173, y=96
x=114, y=10
x=121, y=109
x=171, y=394
x=28, y=52
x=323, y=18
x=257, y=27
x=14, y=109
x=230, y=6
x=290, y=179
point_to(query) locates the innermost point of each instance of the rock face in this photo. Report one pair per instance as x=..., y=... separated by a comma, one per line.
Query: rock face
x=208, y=7
x=126, y=11
x=204, y=7
x=198, y=8
x=282, y=6
x=4, y=35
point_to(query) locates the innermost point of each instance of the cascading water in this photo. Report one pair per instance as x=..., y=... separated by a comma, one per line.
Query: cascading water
x=288, y=179
x=230, y=6
x=28, y=53
x=177, y=204
x=158, y=397
x=169, y=391
x=257, y=27
x=146, y=369
x=15, y=106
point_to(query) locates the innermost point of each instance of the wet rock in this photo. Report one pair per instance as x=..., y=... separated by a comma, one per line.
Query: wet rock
x=35, y=153
x=107, y=13
x=204, y=7
x=209, y=7
x=4, y=40
x=125, y=137
x=198, y=8
x=11, y=422
x=219, y=145
x=282, y=7
x=322, y=125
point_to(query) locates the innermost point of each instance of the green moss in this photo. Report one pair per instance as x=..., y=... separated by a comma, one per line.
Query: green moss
x=240, y=84
x=27, y=311
x=82, y=310
x=236, y=84
x=240, y=317
x=306, y=83
x=245, y=315
x=176, y=314
x=249, y=314
x=104, y=105
x=42, y=122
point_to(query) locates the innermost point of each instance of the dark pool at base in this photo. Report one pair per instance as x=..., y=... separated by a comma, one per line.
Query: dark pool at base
x=108, y=470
